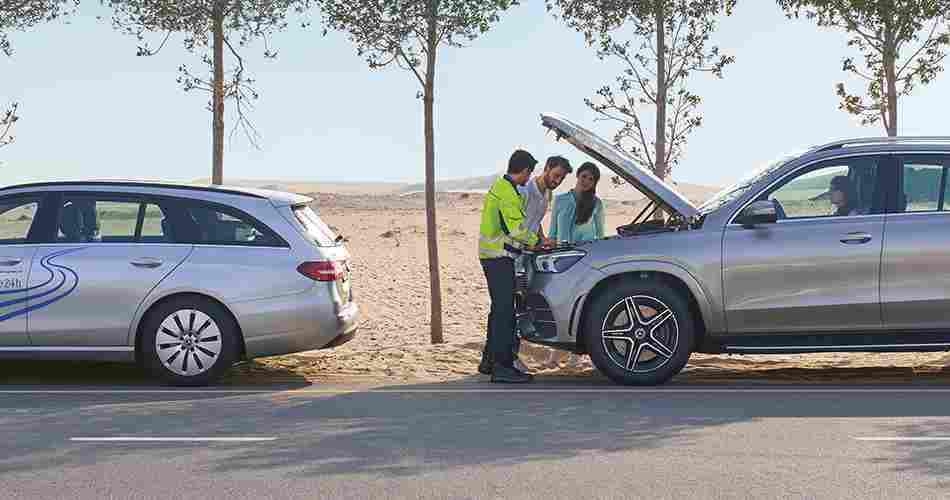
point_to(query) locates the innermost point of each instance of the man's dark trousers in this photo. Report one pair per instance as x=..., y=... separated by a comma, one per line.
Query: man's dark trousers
x=500, y=274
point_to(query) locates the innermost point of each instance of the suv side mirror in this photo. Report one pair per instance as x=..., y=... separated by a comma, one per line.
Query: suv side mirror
x=759, y=212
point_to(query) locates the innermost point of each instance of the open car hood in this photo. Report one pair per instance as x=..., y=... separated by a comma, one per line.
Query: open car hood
x=621, y=163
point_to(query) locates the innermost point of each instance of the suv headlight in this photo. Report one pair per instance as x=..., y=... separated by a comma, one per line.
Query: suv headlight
x=557, y=262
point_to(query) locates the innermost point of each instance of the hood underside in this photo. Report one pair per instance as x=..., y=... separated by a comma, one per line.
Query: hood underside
x=620, y=163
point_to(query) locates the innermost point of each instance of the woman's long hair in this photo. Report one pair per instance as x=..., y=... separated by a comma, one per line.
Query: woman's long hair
x=843, y=183
x=587, y=199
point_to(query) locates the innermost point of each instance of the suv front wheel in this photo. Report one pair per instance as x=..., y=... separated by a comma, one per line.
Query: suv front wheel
x=639, y=333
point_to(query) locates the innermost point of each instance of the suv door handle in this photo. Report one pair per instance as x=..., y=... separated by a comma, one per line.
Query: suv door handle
x=856, y=238
x=9, y=261
x=146, y=262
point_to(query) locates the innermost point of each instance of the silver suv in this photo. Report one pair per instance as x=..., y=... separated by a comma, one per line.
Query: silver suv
x=843, y=247
x=185, y=280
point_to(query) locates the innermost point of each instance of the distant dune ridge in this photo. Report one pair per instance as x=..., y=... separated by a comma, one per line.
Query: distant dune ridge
x=606, y=189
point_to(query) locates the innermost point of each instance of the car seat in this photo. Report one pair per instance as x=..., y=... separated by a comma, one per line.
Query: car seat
x=70, y=223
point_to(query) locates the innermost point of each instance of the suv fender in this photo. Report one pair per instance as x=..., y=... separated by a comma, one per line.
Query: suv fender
x=710, y=317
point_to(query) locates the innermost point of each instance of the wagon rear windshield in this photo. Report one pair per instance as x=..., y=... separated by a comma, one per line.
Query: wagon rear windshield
x=316, y=228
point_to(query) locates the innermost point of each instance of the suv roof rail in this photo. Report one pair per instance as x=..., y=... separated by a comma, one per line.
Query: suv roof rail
x=140, y=184
x=880, y=140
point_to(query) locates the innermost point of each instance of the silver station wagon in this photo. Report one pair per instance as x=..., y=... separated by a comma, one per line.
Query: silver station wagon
x=185, y=280
x=843, y=247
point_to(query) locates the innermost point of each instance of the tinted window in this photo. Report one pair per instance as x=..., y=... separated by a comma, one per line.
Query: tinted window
x=85, y=219
x=154, y=225
x=220, y=226
x=946, y=189
x=923, y=184
x=16, y=219
x=93, y=218
x=836, y=188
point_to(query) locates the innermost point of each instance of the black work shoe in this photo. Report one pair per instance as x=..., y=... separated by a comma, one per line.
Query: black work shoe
x=485, y=367
x=509, y=375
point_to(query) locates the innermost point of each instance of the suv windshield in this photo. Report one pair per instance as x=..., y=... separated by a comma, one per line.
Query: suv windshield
x=739, y=188
x=316, y=228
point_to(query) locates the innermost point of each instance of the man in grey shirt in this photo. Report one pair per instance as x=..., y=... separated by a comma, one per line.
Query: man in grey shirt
x=538, y=192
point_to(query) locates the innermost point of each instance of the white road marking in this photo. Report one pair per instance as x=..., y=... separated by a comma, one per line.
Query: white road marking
x=904, y=438
x=131, y=439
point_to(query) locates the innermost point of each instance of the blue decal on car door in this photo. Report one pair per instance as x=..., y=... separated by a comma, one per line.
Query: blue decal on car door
x=62, y=281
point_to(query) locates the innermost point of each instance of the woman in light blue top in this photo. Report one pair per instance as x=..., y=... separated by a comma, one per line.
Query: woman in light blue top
x=578, y=215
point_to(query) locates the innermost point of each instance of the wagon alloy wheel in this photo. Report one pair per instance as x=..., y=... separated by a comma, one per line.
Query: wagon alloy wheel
x=640, y=334
x=188, y=342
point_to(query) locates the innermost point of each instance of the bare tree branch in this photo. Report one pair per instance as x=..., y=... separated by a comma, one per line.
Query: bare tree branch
x=882, y=30
x=401, y=53
x=7, y=119
x=636, y=93
x=927, y=42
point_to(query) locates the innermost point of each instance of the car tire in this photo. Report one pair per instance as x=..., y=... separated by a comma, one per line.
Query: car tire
x=648, y=348
x=189, y=341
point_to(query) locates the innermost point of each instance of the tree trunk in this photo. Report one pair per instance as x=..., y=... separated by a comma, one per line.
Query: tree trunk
x=217, y=99
x=659, y=162
x=890, y=78
x=432, y=233
x=659, y=159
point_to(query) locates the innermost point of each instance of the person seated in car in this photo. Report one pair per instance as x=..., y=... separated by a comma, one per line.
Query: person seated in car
x=844, y=198
x=578, y=215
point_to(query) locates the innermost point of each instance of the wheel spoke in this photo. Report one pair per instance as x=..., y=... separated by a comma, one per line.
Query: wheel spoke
x=181, y=328
x=191, y=321
x=633, y=355
x=184, y=365
x=162, y=347
x=171, y=359
x=660, y=349
x=213, y=338
x=207, y=357
x=198, y=360
x=207, y=352
x=166, y=331
x=658, y=320
x=633, y=312
x=202, y=328
x=617, y=337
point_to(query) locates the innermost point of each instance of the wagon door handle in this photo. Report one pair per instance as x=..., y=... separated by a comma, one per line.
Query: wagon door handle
x=856, y=238
x=9, y=261
x=146, y=262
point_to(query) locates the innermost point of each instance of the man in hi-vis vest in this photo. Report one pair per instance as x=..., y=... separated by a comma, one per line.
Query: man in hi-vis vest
x=502, y=236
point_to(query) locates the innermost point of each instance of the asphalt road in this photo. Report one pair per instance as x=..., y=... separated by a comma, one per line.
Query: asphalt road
x=567, y=439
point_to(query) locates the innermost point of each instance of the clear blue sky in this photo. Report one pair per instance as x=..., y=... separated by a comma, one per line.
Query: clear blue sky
x=91, y=108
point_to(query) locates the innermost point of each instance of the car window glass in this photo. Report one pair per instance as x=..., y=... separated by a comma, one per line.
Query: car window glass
x=217, y=227
x=316, y=228
x=946, y=188
x=84, y=219
x=16, y=218
x=154, y=225
x=921, y=185
x=840, y=188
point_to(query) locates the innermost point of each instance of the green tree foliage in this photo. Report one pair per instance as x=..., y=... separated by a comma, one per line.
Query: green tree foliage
x=659, y=44
x=409, y=34
x=211, y=28
x=19, y=15
x=902, y=44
